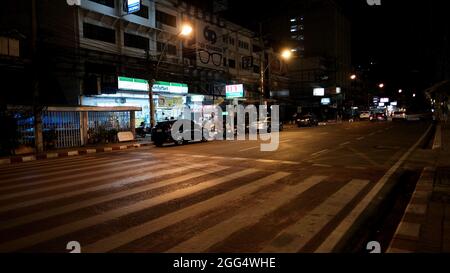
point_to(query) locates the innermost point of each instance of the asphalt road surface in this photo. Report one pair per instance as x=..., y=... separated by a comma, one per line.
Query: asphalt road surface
x=207, y=197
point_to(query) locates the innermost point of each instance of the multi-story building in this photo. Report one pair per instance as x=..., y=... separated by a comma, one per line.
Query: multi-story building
x=100, y=53
x=319, y=34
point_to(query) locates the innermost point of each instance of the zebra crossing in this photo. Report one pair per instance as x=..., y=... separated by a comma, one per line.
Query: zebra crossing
x=142, y=202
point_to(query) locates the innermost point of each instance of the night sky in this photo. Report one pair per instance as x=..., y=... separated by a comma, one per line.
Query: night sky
x=400, y=37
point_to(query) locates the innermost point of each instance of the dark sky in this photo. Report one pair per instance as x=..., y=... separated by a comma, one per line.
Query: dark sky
x=400, y=36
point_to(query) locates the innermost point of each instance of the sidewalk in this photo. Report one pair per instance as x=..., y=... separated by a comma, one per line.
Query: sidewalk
x=92, y=149
x=425, y=227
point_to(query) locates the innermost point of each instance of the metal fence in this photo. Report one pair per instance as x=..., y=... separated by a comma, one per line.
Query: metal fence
x=119, y=121
x=61, y=129
x=25, y=129
x=66, y=129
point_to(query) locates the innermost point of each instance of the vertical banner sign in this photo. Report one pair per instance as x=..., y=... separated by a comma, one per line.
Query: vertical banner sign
x=133, y=5
x=210, y=46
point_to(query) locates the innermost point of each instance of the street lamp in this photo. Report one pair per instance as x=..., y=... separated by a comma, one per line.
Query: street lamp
x=185, y=32
x=400, y=91
x=353, y=77
x=381, y=85
x=286, y=54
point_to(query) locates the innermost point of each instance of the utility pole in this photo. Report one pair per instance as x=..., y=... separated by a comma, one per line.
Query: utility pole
x=262, y=64
x=37, y=109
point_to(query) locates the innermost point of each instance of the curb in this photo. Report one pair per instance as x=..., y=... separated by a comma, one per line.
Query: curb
x=407, y=235
x=78, y=152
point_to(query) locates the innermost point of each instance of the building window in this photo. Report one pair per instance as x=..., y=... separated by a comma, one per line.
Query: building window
x=99, y=33
x=136, y=41
x=109, y=3
x=166, y=19
x=9, y=47
x=170, y=50
x=225, y=62
x=231, y=41
x=143, y=12
x=243, y=45
x=232, y=63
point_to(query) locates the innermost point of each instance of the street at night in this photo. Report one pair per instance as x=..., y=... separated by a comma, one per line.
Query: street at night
x=213, y=197
x=224, y=135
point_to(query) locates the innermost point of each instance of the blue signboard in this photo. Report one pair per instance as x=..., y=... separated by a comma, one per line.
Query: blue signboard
x=133, y=5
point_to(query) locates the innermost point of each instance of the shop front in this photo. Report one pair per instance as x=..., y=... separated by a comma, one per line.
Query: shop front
x=170, y=99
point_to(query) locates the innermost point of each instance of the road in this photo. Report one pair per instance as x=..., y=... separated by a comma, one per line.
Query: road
x=207, y=197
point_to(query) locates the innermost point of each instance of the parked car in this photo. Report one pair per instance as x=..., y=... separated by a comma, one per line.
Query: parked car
x=162, y=133
x=378, y=117
x=364, y=115
x=399, y=116
x=308, y=120
x=265, y=124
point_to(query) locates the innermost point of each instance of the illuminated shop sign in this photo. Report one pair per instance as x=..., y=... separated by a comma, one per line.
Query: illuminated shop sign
x=171, y=87
x=234, y=91
x=133, y=5
x=319, y=92
x=133, y=84
x=326, y=101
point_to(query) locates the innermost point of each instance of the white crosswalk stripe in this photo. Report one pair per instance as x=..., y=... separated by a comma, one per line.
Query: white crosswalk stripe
x=296, y=236
x=117, y=213
x=245, y=218
x=140, y=231
x=91, y=202
x=43, y=202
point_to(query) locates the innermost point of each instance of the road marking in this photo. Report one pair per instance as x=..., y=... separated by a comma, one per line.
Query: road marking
x=47, y=168
x=68, y=228
x=57, y=176
x=356, y=168
x=345, y=143
x=296, y=236
x=94, y=175
x=437, y=143
x=250, y=216
x=322, y=165
x=319, y=153
x=119, y=183
x=285, y=141
x=360, y=138
x=340, y=231
x=105, y=198
x=145, y=229
x=248, y=149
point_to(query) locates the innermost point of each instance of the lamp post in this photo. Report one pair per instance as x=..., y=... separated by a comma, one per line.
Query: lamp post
x=186, y=31
x=286, y=55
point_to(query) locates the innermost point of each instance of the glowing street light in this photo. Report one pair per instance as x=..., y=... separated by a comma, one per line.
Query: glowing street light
x=381, y=85
x=286, y=54
x=353, y=77
x=400, y=91
x=414, y=95
x=186, y=30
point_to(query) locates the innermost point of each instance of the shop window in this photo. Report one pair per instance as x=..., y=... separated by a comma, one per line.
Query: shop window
x=109, y=3
x=136, y=41
x=143, y=12
x=99, y=33
x=170, y=50
x=232, y=63
x=166, y=19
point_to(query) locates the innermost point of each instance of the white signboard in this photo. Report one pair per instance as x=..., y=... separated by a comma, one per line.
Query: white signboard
x=210, y=46
x=234, y=91
x=133, y=84
x=133, y=5
x=319, y=92
x=384, y=100
x=171, y=87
